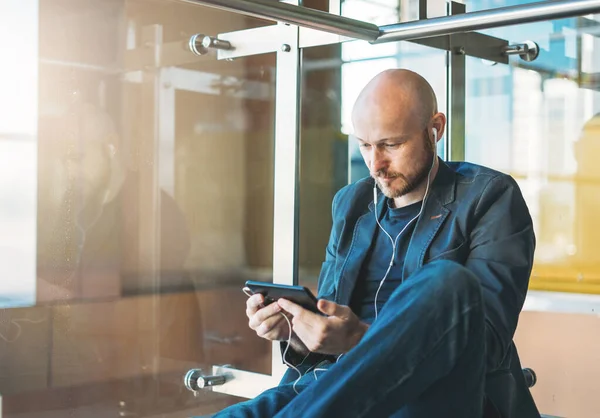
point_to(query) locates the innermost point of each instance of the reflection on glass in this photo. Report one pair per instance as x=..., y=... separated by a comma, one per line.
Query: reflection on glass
x=89, y=238
x=154, y=173
x=536, y=121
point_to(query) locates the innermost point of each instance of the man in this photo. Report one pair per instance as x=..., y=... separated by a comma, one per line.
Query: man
x=421, y=287
x=88, y=243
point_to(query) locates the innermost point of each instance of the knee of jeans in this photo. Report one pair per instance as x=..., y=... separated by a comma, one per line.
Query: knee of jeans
x=452, y=276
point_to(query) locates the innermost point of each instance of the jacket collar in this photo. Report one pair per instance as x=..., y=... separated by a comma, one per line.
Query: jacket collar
x=443, y=187
x=434, y=213
x=362, y=237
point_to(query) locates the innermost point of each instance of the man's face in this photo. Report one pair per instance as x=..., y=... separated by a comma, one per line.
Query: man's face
x=399, y=156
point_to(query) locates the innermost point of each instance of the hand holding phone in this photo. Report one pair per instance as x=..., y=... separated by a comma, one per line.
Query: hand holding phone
x=268, y=322
x=300, y=295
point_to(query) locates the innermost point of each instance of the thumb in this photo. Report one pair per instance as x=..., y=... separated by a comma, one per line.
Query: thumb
x=331, y=308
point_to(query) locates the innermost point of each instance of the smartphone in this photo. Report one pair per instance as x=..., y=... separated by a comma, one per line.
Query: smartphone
x=300, y=295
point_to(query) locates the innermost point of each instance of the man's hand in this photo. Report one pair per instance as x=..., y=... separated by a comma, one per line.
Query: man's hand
x=336, y=333
x=267, y=321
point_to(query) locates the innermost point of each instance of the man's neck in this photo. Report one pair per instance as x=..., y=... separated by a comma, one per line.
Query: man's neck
x=418, y=193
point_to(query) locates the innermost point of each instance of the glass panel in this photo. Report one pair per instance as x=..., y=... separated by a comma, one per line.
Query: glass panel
x=476, y=5
x=333, y=76
x=323, y=158
x=380, y=12
x=539, y=122
x=545, y=134
x=154, y=171
x=387, y=12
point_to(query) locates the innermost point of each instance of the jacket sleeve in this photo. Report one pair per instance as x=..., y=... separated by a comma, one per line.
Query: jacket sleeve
x=326, y=285
x=326, y=289
x=502, y=246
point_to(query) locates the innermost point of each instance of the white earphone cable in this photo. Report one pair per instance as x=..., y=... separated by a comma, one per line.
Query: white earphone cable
x=287, y=346
x=395, y=241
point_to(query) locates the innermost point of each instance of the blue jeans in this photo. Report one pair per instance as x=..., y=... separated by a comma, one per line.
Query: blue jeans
x=423, y=357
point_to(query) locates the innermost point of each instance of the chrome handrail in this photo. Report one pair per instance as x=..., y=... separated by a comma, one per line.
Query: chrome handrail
x=297, y=15
x=447, y=25
x=486, y=19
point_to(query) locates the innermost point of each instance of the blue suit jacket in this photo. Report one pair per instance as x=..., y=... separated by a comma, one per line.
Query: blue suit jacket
x=474, y=216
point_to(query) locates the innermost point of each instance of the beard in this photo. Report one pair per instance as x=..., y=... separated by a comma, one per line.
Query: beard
x=408, y=183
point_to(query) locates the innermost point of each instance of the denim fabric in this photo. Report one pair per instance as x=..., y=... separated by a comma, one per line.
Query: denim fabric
x=374, y=268
x=423, y=357
x=474, y=216
x=466, y=274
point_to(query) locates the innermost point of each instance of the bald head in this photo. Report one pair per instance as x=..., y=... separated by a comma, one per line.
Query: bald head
x=397, y=126
x=395, y=97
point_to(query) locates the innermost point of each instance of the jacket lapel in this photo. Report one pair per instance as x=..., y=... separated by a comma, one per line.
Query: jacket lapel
x=362, y=238
x=427, y=227
x=433, y=217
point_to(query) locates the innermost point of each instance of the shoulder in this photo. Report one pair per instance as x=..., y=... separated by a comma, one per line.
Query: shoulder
x=481, y=177
x=354, y=197
x=488, y=191
x=358, y=190
x=468, y=172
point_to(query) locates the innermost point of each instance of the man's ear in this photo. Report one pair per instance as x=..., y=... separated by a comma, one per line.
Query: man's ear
x=439, y=123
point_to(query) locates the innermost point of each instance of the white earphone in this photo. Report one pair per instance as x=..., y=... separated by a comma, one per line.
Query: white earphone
x=435, y=133
x=395, y=241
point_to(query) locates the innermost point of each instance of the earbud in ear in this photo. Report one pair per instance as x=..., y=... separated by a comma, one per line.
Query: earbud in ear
x=434, y=130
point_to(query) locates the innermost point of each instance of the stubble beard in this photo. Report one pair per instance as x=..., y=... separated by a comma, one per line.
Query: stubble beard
x=408, y=184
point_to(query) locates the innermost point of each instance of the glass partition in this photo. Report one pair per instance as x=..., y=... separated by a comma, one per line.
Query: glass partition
x=137, y=189
x=538, y=121
x=137, y=183
x=389, y=12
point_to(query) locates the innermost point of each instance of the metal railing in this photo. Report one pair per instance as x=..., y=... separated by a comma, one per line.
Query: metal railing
x=447, y=25
x=297, y=15
x=486, y=19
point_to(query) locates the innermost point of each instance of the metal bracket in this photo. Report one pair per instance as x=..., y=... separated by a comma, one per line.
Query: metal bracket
x=472, y=44
x=194, y=380
x=267, y=39
x=243, y=383
x=261, y=40
x=528, y=50
x=226, y=379
x=201, y=44
x=153, y=53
